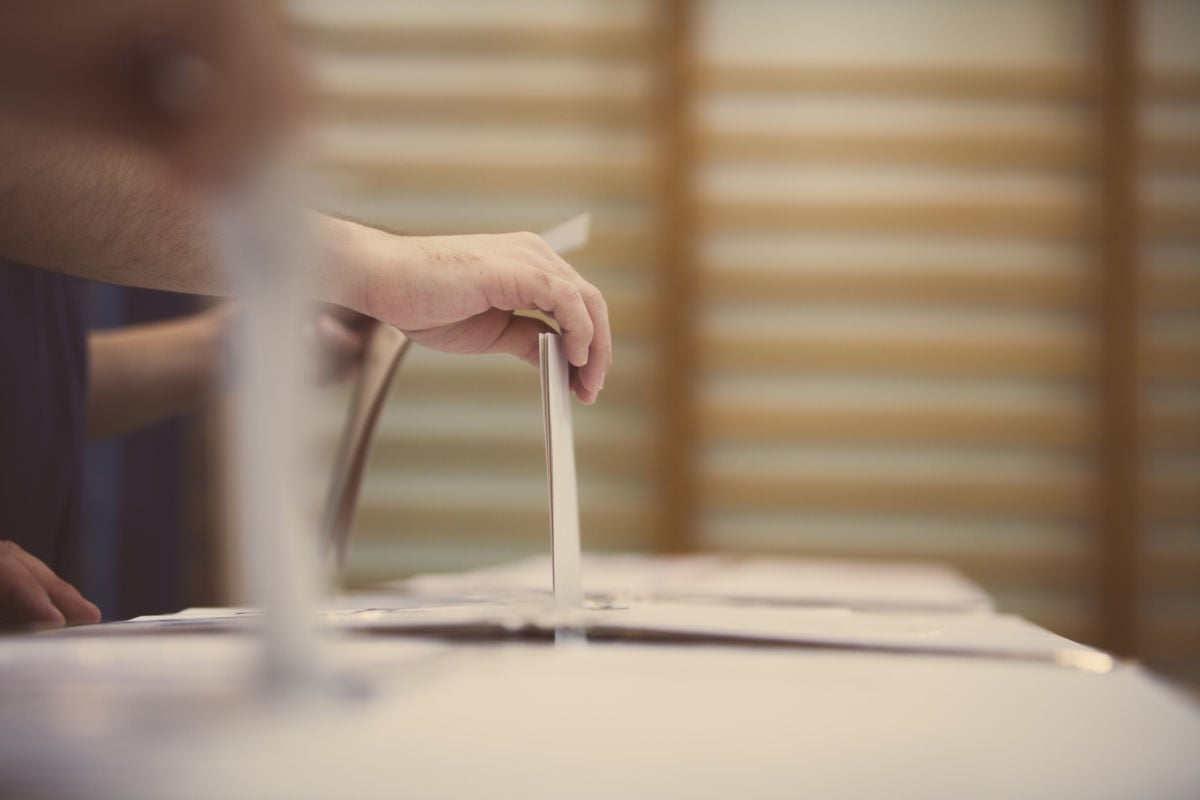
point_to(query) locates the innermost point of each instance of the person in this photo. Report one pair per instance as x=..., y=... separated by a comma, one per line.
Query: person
x=114, y=181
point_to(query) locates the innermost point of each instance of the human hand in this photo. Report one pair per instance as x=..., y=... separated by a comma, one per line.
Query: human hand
x=457, y=294
x=335, y=339
x=31, y=592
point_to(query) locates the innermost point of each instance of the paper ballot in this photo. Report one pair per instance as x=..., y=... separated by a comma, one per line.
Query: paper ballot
x=384, y=353
x=569, y=236
x=560, y=472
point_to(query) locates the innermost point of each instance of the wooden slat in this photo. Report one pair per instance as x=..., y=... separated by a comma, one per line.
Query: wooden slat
x=988, y=83
x=1173, y=498
x=625, y=389
x=467, y=522
x=1173, y=152
x=766, y=489
x=1176, y=221
x=373, y=174
x=1010, y=149
x=907, y=287
x=1173, y=85
x=1047, y=357
x=373, y=104
x=993, y=83
x=1171, y=358
x=1172, y=290
x=1061, y=567
x=1173, y=429
x=891, y=424
x=978, y=217
x=1172, y=638
x=389, y=35
x=503, y=453
x=1172, y=568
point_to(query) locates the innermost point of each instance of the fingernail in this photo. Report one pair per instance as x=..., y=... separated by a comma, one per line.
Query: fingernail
x=603, y=375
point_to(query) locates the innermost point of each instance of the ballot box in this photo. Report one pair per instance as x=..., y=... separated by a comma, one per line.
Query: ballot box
x=694, y=677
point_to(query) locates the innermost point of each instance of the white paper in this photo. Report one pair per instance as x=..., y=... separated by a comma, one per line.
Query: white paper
x=561, y=481
x=567, y=237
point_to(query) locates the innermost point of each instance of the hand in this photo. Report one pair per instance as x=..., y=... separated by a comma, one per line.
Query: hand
x=457, y=294
x=31, y=592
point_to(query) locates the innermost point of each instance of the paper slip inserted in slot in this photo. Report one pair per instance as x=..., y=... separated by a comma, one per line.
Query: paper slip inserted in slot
x=560, y=472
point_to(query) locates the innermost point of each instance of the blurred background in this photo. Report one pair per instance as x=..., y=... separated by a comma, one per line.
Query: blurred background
x=889, y=280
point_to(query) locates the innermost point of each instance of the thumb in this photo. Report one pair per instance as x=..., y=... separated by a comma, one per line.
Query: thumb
x=520, y=338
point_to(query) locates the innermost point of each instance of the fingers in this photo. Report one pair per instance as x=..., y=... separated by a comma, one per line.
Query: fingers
x=22, y=596
x=592, y=373
x=520, y=338
x=31, y=592
x=65, y=597
x=536, y=287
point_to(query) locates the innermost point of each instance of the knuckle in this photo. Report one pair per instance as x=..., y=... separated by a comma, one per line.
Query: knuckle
x=592, y=295
x=569, y=294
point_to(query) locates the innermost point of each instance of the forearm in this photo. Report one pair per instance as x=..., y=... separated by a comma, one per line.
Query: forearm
x=117, y=213
x=102, y=210
x=147, y=373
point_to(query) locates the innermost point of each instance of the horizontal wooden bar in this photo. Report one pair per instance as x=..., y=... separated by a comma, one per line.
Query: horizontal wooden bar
x=1173, y=152
x=1172, y=85
x=769, y=489
x=1172, y=429
x=968, y=82
x=1172, y=358
x=390, y=35
x=382, y=175
x=371, y=103
x=1171, y=638
x=624, y=388
x=1056, y=566
x=892, y=424
x=1166, y=430
x=950, y=82
x=1171, y=568
x=1046, y=356
x=1042, y=218
x=916, y=285
x=1009, y=149
x=1172, y=498
x=1173, y=221
x=608, y=526
x=1172, y=290
x=509, y=453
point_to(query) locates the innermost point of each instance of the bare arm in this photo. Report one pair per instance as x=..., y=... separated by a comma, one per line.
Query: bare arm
x=115, y=213
x=146, y=373
x=102, y=210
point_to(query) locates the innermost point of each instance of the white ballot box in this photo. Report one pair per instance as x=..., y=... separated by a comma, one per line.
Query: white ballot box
x=696, y=677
